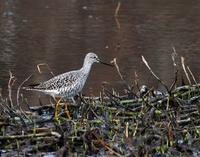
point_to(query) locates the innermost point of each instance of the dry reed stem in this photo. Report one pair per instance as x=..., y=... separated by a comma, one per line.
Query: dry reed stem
x=174, y=59
x=19, y=88
x=114, y=61
x=184, y=69
x=10, y=84
x=175, y=80
x=151, y=71
x=174, y=56
x=192, y=75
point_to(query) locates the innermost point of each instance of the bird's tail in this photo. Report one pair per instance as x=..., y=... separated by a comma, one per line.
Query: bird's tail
x=27, y=88
x=31, y=87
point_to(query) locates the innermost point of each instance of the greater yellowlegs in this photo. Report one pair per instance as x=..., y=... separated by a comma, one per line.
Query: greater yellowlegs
x=68, y=84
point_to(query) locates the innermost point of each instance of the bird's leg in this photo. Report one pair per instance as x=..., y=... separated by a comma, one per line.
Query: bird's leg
x=73, y=100
x=67, y=111
x=57, y=108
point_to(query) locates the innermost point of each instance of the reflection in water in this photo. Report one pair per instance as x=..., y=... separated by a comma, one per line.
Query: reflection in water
x=61, y=32
x=7, y=39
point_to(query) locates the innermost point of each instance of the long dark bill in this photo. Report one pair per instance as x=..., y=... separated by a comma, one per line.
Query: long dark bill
x=108, y=64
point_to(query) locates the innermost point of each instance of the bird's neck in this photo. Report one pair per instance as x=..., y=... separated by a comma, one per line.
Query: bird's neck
x=86, y=67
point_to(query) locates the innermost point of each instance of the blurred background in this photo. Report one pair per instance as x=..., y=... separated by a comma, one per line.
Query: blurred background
x=61, y=32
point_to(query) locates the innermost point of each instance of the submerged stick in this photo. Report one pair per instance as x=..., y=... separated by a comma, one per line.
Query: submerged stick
x=44, y=64
x=116, y=14
x=117, y=22
x=117, y=8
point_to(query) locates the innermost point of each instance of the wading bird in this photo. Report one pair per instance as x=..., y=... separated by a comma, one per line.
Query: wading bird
x=68, y=84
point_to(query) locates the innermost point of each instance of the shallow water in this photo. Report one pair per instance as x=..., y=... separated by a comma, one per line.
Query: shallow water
x=61, y=32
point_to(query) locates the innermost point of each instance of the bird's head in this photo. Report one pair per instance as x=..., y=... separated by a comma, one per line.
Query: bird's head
x=92, y=58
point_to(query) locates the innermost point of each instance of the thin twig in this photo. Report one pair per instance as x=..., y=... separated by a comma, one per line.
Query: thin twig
x=117, y=8
x=18, y=90
x=175, y=63
x=192, y=75
x=174, y=56
x=184, y=69
x=146, y=63
x=10, y=84
x=114, y=61
x=175, y=80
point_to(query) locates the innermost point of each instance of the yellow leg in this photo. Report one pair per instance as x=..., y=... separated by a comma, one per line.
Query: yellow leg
x=57, y=109
x=67, y=111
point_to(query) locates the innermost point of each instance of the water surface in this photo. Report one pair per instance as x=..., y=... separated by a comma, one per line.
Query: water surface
x=61, y=32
